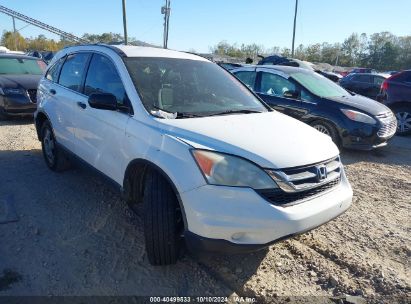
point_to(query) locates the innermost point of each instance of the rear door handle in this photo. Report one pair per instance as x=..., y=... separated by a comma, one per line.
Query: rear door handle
x=53, y=91
x=82, y=105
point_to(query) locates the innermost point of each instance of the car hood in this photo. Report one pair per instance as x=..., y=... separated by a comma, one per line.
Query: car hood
x=19, y=81
x=272, y=140
x=362, y=103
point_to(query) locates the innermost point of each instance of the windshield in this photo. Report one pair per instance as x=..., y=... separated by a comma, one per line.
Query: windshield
x=193, y=87
x=20, y=66
x=319, y=85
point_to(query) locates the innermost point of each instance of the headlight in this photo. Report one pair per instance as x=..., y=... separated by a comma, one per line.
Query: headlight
x=10, y=91
x=227, y=170
x=358, y=116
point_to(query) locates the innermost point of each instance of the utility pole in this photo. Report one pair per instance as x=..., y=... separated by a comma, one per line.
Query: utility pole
x=15, y=34
x=125, y=22
x=295, y=21
x=168, y=21
x=165, y=10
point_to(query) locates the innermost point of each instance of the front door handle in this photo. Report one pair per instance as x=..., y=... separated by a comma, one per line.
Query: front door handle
x=52, y=91
x=82, y=105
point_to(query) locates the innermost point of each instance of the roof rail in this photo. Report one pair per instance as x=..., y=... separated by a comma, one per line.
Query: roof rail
x=111, y=47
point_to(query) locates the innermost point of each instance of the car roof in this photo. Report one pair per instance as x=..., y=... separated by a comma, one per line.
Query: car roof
x=17, y=56
x=281, y=68
x=139, y=51
x=369, y=74
x=144, y=51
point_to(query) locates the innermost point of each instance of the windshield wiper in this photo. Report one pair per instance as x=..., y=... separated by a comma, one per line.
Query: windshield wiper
x=177, y=115
x=188, y=115
x=235, y=112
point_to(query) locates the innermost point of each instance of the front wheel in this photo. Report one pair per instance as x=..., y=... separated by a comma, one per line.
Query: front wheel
x=327, y=129
x=163, y=223
x=403, y=115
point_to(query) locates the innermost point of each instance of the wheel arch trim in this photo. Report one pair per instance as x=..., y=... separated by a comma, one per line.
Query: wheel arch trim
x=150, y=165
x=37, y=122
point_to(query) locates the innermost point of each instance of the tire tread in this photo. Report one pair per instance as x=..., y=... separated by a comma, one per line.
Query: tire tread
x=160, y=225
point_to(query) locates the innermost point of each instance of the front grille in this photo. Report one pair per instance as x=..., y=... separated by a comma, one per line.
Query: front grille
x=389, y=124
x=307, y=177
x=33, y=95
x=284, y=199
x=386, y=115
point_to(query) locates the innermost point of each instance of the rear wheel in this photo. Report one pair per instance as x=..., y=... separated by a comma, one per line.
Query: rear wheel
x=327, y=129
x=163, y=223
x=55, y=158
x=403, y=115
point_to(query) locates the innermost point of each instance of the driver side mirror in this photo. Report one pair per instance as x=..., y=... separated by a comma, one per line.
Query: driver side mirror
x=291, y=94
x=103, y=101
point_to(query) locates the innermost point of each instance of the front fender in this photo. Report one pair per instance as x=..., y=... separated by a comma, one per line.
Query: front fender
x=168, y=153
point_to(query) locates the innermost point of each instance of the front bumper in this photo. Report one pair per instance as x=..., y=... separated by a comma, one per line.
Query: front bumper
x=18, y=104
x=364, y=137
x=228, y=219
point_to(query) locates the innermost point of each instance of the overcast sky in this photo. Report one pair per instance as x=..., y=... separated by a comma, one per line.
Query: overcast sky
x=200, y=24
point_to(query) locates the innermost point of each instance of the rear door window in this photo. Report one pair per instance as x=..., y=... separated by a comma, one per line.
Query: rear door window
x=363, y=78
x=72, y=72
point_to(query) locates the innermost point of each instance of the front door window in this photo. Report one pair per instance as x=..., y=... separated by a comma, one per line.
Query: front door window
x=275, y=85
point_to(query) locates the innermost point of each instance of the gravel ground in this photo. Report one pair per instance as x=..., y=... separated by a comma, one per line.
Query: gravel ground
x=71, y=234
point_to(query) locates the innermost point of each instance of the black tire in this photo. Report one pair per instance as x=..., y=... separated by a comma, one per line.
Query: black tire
x=55, y=158
x=328, y=129
x=162, y=220
x=403, y=115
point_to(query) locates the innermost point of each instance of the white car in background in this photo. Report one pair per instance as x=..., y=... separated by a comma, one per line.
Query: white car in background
x=212, y=164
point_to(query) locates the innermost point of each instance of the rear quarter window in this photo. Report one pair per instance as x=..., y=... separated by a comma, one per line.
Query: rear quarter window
x=247, y=77
x=54, y=72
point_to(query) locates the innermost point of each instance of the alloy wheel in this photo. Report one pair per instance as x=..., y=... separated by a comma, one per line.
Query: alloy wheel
x=404, y=121
x=322, y=129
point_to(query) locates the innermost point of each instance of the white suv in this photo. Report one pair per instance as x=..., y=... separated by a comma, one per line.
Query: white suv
x=212, y=164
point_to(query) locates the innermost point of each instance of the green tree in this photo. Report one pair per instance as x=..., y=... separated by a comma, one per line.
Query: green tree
x=404, y=56
x=330, y=52
x=286, y=52
x=13, y=41
x=313, y=53
x=350, y=49
x=383, y=51
x=300, y=52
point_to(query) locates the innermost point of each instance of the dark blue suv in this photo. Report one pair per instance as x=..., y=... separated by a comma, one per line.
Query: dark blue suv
x=351, y=120
x=396, y=94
